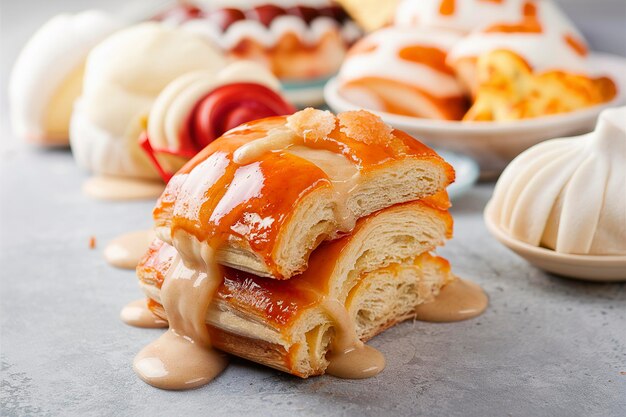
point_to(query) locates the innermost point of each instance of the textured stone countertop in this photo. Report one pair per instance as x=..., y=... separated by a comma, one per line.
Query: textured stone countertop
x=545, y=346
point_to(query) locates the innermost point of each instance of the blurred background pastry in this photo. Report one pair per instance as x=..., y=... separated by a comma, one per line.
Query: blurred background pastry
x=532, y=66
x=298, y=40
x=461, y=16
x=48, y=74
x=569, y=194
x=123, y=76
x=495, y=61
x=404, y=71
x=153, y=97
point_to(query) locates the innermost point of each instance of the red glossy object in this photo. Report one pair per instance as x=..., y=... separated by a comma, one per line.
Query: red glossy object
x=226, y=17
x=305, y=13
x=266, y=14
x=222, y=109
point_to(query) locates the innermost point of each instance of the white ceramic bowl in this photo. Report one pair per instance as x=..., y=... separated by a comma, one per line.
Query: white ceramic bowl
x=494, y=144
x=584, y=267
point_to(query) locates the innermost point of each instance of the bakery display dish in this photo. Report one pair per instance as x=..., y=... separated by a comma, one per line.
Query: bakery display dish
x=290, y=241
x=517, y=93
x=47, y=75
x=494, y=144
x=565, y=199
x=301, y=41
x=160, y=79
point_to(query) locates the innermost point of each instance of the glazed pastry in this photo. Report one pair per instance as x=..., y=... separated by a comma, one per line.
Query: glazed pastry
x=404, y=71
x=47, y=76
x=123, y=77
x=569, y=194
x=339, y=169
x=509, y=89
x=263, y=198
x=375, y=277
x=461, y=16
x=530, y=67
x=198, y=107
x=299, y=40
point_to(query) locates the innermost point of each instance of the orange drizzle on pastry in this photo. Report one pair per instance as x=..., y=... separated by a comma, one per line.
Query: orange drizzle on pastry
x=433, y=57
x=446, y=8
x=576, y=44
x=529, y=23
x=253, y=201
x=450, y=108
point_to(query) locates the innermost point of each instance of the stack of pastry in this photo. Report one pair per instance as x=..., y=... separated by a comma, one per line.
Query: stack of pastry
x=511, y=59
x=290, y=241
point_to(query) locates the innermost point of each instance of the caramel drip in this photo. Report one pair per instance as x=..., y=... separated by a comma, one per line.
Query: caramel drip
x=446, y=8
x=182, y=357
x=576, y=45
x=530, y=10
x=138, y=314
x=432, y=57
x=458, y=300
x=349, y=357
x=127, y=250
x=118, y=188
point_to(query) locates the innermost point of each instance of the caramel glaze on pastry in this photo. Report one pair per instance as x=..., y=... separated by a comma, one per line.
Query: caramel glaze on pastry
x=259, y=200
x=272, y=190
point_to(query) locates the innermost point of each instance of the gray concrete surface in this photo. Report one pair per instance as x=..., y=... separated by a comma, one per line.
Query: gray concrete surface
x=546, y=346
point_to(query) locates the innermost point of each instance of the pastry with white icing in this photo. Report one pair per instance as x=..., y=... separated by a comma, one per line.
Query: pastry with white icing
x=123, y=77
x=532, y=66
x=404, y=71
x=460, y=16
x=298, y=40
x=47, y=76
x=569, y=194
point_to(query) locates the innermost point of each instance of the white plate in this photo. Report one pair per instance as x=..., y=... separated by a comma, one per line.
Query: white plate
x=467, y=173
x=584, y=267
x=495, y=144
